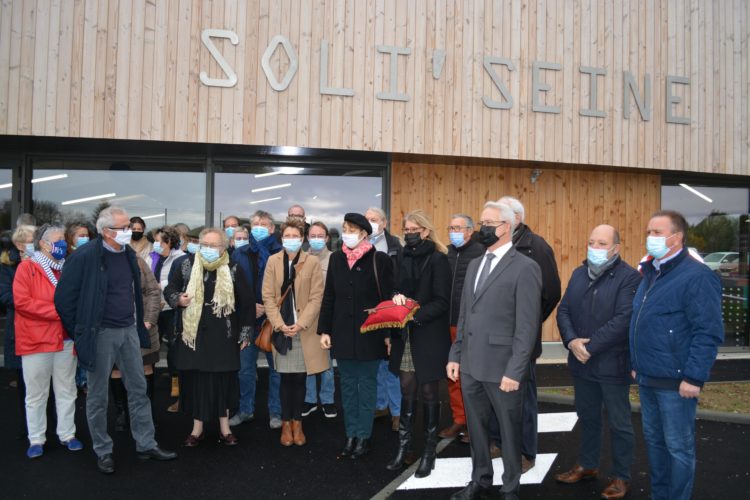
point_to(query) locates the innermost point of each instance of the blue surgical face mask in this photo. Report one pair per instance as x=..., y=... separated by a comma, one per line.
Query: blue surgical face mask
x=210, y=254
x=259, y=233
x=240, y=243
x=229, y=231
x=656, y=246
x=457, y=239
x=317, y=244
x=29, y=249
x=193, y=248
x=597, y=256
x=59, y=250
x=292, y=245
x=81, y=240
x=157, y=247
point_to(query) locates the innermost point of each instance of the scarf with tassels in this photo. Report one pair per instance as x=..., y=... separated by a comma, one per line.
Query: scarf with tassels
x=48, y=265
x=222, y=301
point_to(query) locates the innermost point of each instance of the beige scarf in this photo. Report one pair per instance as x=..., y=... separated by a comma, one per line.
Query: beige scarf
x=223, y=299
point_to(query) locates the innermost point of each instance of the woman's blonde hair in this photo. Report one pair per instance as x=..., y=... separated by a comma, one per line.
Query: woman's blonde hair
x=420, y=218
x=22, y=233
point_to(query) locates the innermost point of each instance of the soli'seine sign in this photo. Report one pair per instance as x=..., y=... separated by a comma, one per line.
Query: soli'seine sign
x=491, y=66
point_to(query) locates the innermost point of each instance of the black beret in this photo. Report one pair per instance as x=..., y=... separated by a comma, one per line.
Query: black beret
x=195, y=232
x=358, y=220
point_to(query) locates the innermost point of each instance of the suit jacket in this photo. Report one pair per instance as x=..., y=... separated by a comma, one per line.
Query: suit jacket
x=498, y=325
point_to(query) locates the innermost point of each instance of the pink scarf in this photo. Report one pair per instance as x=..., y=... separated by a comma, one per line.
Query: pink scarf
x=356, y=253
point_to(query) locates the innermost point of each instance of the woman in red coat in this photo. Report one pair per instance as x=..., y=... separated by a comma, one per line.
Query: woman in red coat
x=46, y=350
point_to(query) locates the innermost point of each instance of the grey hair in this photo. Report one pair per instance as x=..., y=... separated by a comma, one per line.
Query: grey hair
x=222, y=234
x=296, y=205
x=515, y=204
x=469, y=220
x=107, y=217
x=43, y=233
x=381, y=213
x=506, y=212
x=262, y=214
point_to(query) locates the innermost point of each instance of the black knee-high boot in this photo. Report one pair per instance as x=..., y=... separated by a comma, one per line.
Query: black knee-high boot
x=405, y=424
x=150, y=394
x=431, y=420
x=120, y=397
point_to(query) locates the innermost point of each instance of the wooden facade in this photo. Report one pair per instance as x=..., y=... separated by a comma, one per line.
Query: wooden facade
x=129, y=69
x=563, y=205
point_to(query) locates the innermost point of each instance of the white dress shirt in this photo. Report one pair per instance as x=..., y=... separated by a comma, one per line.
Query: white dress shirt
x=499, y=254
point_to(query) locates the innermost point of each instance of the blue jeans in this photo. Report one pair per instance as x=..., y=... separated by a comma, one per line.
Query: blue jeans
x=389, y=390
x=248, y=375
x=327, y=387
x=121, y=346
x=358, y=394
x=669, y=432
x=590, y=397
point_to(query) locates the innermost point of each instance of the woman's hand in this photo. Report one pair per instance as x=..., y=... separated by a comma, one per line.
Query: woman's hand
x=291, y=331
x=184, y=300
x=399, y=299
x=325, y=341
x=244, y=344
x=147, y=325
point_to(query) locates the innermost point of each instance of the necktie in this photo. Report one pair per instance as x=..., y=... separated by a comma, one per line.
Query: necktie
x=485, y=272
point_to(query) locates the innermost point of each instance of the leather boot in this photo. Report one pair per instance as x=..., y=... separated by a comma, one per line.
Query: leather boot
x=120, y=397
x=150, y=394
x=431, y=421
x=287, y=438
x=404, y=435
x=297, y=435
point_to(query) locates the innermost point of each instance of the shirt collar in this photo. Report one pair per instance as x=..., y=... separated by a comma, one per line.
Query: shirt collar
x=660, y=262
x=111, y=249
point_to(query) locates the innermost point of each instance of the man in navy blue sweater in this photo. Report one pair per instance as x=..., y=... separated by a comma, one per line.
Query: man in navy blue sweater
x=675, y=332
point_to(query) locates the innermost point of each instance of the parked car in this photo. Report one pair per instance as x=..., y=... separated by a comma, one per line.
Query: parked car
x=721, y=260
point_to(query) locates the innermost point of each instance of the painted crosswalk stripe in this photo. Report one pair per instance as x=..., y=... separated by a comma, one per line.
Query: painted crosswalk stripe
x=557, y=422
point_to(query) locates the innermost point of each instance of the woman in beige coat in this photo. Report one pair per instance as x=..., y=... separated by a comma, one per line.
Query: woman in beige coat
x=297, y=352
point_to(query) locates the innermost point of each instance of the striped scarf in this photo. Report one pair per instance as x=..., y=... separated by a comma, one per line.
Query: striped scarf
x=48, y=265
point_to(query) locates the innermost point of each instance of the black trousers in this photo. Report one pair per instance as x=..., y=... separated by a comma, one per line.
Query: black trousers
x=480, y=400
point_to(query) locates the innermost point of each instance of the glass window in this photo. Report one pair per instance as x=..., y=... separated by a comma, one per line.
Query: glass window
x=78, y=191
x=326, y=193
x=6, y=196
x=718, y=230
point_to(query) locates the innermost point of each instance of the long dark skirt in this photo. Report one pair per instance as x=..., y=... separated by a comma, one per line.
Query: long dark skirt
x=209, y=395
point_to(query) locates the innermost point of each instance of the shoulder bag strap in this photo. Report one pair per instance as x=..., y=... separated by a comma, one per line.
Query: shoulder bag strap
x=375, y=268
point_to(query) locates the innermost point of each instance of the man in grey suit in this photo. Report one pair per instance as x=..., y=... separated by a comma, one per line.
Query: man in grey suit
x=497, y=328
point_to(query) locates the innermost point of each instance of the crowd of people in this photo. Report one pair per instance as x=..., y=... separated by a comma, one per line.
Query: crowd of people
x=91, y=305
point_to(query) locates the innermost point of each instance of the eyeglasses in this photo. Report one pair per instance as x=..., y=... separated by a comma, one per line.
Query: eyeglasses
x=456, y=229
x=413, y=230
x=123, y=228
x=492, y=223
x=215, y=247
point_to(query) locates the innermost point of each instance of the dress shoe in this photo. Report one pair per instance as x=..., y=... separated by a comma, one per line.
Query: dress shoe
x=394, y=423
x=495, y=451
x=527, y=464
x=297, y=435
x=465, y=438
x=228, y=439
x=617, y=488
x=381, y=412
x=576, y=474
x=362, y=448
x=287, y=438
x=106, y=464
x=351, y=443
x=192, y=441
x=472, y=491
x=156, y=453
x=453, y=431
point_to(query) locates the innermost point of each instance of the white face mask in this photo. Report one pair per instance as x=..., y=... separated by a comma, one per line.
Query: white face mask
x=123, y=237
x=350, y=239
x=375, y=228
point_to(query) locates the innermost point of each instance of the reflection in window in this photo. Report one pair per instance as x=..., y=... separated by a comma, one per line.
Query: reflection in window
x=158, y=197
x=326, y=194
x=718, y=229
x=6, y=195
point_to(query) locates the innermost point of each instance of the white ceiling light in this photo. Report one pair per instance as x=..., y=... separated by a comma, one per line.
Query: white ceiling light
x=378, y=195
x=89, y=198
x=268, y=188
x=264, y=200
x=697, y=193
x=49, y=178
x=6, y=186
x=153, y=216
x=281, y=170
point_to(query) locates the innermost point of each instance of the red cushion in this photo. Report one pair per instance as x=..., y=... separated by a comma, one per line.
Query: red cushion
x=389, y=315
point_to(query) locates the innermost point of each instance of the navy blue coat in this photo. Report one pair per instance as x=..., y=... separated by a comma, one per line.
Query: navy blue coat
x=80, y=298
x=677, y=326
x=7, y=273
x=600, y=310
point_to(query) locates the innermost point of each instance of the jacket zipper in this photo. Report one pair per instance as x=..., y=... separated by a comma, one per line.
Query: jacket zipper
x=638, y=318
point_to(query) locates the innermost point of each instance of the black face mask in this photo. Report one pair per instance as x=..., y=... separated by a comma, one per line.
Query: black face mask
x=412, y=239
x=487, y=236
x=137, y=235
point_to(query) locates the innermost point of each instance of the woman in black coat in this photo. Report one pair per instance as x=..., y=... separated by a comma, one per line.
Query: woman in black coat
x=352, y=287
x=419, y=352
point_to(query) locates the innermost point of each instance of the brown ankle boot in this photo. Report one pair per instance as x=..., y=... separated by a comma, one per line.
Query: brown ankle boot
x=298, y=435
x=286, y=433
